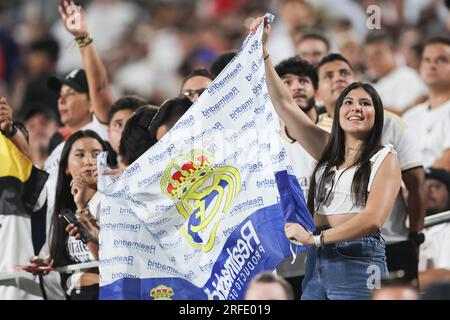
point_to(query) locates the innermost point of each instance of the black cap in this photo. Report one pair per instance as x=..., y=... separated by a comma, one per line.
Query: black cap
x=76, y=80
x=439, y=174
x=36, y=108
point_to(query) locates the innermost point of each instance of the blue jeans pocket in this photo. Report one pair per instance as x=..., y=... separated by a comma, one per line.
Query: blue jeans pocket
x=356, y=249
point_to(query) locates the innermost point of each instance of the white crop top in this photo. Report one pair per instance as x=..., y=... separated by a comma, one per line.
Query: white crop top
x=339, y=199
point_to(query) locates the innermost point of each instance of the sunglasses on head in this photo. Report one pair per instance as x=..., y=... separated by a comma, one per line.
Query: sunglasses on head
x=325, y=189
x=191, y=92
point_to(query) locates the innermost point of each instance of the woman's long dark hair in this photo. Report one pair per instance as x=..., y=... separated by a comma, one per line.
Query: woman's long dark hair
x=334, y=152
x=64, y=199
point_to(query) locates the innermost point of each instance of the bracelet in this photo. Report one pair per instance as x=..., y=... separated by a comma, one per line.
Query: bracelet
x=82, y=210
x=84, y=41
x=316, y=238
x=13, y=131
x=265, y=58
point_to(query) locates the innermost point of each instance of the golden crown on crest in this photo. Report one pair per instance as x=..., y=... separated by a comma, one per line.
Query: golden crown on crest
x=162, y=292
x=183, y=171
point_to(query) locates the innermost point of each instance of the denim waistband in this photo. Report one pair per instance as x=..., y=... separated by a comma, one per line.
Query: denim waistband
x=375, y=235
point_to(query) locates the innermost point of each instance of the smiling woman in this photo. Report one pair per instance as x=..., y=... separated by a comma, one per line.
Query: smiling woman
x=352, y=190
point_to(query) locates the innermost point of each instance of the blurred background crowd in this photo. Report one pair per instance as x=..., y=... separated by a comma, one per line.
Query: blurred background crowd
x=148, y=47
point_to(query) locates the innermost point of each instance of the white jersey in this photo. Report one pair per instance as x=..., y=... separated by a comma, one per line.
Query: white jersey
x=79, y=251
x=396, y=133
x=400, y=88
x=76, y=249
x=17, y=248
x=431, y=128
x=435, y=251
x=302, y=163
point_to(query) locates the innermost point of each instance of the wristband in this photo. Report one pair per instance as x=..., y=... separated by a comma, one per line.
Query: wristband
x=84, y=41
x=317, y=241
x=13, y=131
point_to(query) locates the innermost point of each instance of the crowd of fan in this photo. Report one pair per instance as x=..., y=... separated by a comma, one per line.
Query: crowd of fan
x=120, y=81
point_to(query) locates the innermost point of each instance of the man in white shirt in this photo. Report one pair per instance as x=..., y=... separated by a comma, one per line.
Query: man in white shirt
x=434, y=262
x=75, y=109
x=430, y=121
x=399, y=86
x=312, y=47
x=335, y=74
x=300, y=79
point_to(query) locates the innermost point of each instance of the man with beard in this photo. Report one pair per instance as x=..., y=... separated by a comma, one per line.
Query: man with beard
x=300, y=79
x=434, y=262
x=402, y=243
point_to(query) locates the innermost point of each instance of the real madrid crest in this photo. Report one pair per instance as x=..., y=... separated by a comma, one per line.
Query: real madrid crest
x=204, y=194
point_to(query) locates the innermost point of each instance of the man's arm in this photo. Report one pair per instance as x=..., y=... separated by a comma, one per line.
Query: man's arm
x=99, y=90
x=443, y=161
x=414, y=180
x=6, y=126
x=429, y=276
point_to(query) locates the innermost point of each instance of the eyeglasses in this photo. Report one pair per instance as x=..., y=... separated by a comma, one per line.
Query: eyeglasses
x=325, y=187
x=191, y=92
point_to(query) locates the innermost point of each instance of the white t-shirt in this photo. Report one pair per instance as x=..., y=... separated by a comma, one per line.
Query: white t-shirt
x=400, y=88
x=302, y=163
x=396, y=133
x=76, y=249
x=338, y=193
x=435, y=251
x=95, y=125
x=79, y=251
x=431, y=128
x=16, y=248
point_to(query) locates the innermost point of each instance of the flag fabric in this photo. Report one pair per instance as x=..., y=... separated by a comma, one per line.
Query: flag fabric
x=203, y=211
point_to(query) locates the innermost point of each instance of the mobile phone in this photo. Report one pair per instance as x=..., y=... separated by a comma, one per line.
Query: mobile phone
x=70, y=217
x=32, y=268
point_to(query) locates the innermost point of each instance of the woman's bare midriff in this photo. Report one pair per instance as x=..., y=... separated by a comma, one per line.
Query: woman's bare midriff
x=332, y=220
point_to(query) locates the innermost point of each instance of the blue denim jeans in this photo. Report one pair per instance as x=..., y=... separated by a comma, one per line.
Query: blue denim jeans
x=347, y=270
